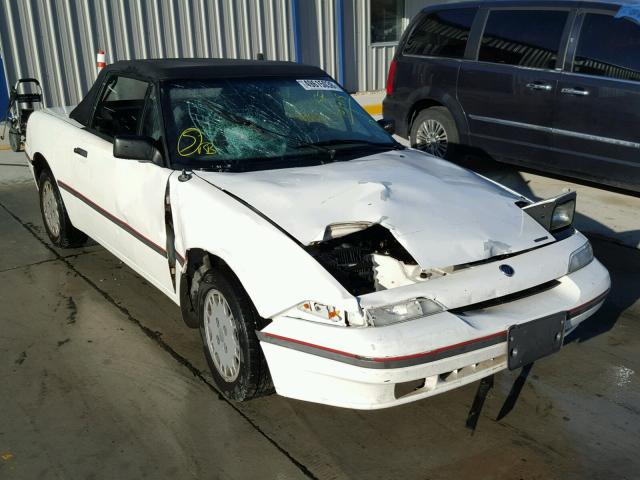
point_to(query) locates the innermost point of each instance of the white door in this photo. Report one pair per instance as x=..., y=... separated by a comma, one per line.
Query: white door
x=126, y=197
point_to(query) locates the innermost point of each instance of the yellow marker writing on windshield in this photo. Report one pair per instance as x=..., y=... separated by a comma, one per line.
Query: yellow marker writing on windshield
x=191, y=142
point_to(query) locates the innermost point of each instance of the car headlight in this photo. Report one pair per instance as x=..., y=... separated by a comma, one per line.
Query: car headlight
x=580, y=258
x=554, y=213
x=562, y=215
x=401, y=312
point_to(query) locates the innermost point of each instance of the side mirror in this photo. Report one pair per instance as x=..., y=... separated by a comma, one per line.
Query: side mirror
x=388, y=126
x=136, y=147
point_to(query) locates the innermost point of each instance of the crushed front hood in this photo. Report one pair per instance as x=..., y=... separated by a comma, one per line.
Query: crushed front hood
x=442, y=214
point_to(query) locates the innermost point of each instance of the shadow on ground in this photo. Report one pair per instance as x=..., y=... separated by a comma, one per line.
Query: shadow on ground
x=623, y=262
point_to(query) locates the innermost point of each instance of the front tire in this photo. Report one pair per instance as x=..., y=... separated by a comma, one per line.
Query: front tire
x=434, y=131
x=228, y=321
x=59, y=228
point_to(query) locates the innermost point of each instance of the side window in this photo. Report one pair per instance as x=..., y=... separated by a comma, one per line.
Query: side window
x=442, y=34
x=151, y=124
x=527, y=38
x=120, y=107
x=608, y=47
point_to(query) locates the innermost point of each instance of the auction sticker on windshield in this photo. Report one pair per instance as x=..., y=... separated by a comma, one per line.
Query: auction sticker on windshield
x=319, y=85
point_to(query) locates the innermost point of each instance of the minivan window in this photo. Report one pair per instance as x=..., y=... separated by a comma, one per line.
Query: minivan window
x=527, y=38
x=608, y=47
x=442, y=34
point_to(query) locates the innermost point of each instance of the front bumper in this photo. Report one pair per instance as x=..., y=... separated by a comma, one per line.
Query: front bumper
x=383, y=367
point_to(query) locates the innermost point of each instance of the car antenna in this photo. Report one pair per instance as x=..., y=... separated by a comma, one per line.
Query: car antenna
x=185, y=176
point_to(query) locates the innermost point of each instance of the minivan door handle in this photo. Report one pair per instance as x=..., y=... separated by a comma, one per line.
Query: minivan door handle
x=575, y=91
x=80, y=151
x=539, y=86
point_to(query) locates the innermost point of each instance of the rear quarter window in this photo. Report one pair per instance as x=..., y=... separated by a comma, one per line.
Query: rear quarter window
x=441, y=34
x=608, y=47
x=526, y=38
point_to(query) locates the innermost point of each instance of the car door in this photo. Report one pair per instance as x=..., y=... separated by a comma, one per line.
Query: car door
x=128, y=196
x=508, y=93
x=119, y=105
x=597, y=119
x=141, y=204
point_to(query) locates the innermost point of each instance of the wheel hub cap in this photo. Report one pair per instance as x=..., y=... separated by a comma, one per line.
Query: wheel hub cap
x=431, y=137
x=50, y=209
x=221, y=335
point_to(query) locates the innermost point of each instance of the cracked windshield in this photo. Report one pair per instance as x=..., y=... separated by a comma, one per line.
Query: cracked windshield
x=249, y=124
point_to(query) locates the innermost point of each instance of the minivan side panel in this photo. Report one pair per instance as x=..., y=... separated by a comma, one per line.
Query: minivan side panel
x=422, y=82
x=508, y=88
x=508, y=118
x=596, y=130
x=426, y=71
x=597, y=136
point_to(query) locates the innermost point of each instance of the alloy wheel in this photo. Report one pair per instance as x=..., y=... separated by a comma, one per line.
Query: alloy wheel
x=432, y=138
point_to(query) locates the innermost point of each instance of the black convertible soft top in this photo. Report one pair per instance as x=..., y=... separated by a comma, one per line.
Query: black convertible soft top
x=157, y=70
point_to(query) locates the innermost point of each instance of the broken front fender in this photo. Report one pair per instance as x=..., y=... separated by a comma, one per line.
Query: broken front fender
x=272, y=267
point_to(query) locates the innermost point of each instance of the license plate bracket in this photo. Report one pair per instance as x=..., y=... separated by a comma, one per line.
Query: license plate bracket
x=527, y=342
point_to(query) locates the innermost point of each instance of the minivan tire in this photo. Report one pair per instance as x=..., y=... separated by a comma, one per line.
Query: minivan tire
x=434, y=131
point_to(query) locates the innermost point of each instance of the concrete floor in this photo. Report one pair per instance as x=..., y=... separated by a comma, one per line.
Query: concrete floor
x=101, y=379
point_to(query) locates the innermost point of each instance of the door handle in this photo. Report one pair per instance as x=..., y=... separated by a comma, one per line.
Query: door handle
x=80, y=151
x=539, y=86
x=575, y=91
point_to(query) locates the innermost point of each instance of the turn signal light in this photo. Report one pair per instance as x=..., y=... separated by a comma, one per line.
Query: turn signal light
x=321, y=310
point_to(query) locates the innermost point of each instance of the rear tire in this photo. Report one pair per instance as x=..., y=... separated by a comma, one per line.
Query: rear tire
x=15, y=140
x=59, y=228
x=228, y=322
x=434, y=131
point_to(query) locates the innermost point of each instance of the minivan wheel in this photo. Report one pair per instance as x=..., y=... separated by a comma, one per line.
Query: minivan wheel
x=434, y=131
x=228, y=324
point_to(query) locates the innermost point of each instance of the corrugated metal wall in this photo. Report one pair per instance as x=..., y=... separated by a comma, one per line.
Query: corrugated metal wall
x=318, y=34
x=366, y=65
x=56, y=40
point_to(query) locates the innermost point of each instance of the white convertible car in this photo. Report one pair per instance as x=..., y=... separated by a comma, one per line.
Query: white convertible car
x=315, y=254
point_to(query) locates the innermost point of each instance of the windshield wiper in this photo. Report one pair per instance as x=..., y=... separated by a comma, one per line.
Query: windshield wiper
x=352, y=141
x=239, y=120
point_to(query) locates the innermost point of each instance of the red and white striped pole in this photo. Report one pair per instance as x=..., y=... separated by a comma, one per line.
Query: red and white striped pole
x=100, y=63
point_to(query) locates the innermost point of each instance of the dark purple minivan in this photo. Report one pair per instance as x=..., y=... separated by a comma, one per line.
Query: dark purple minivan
x=553, y=85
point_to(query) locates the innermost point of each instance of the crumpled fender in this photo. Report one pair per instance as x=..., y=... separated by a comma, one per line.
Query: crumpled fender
x=274, y=270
